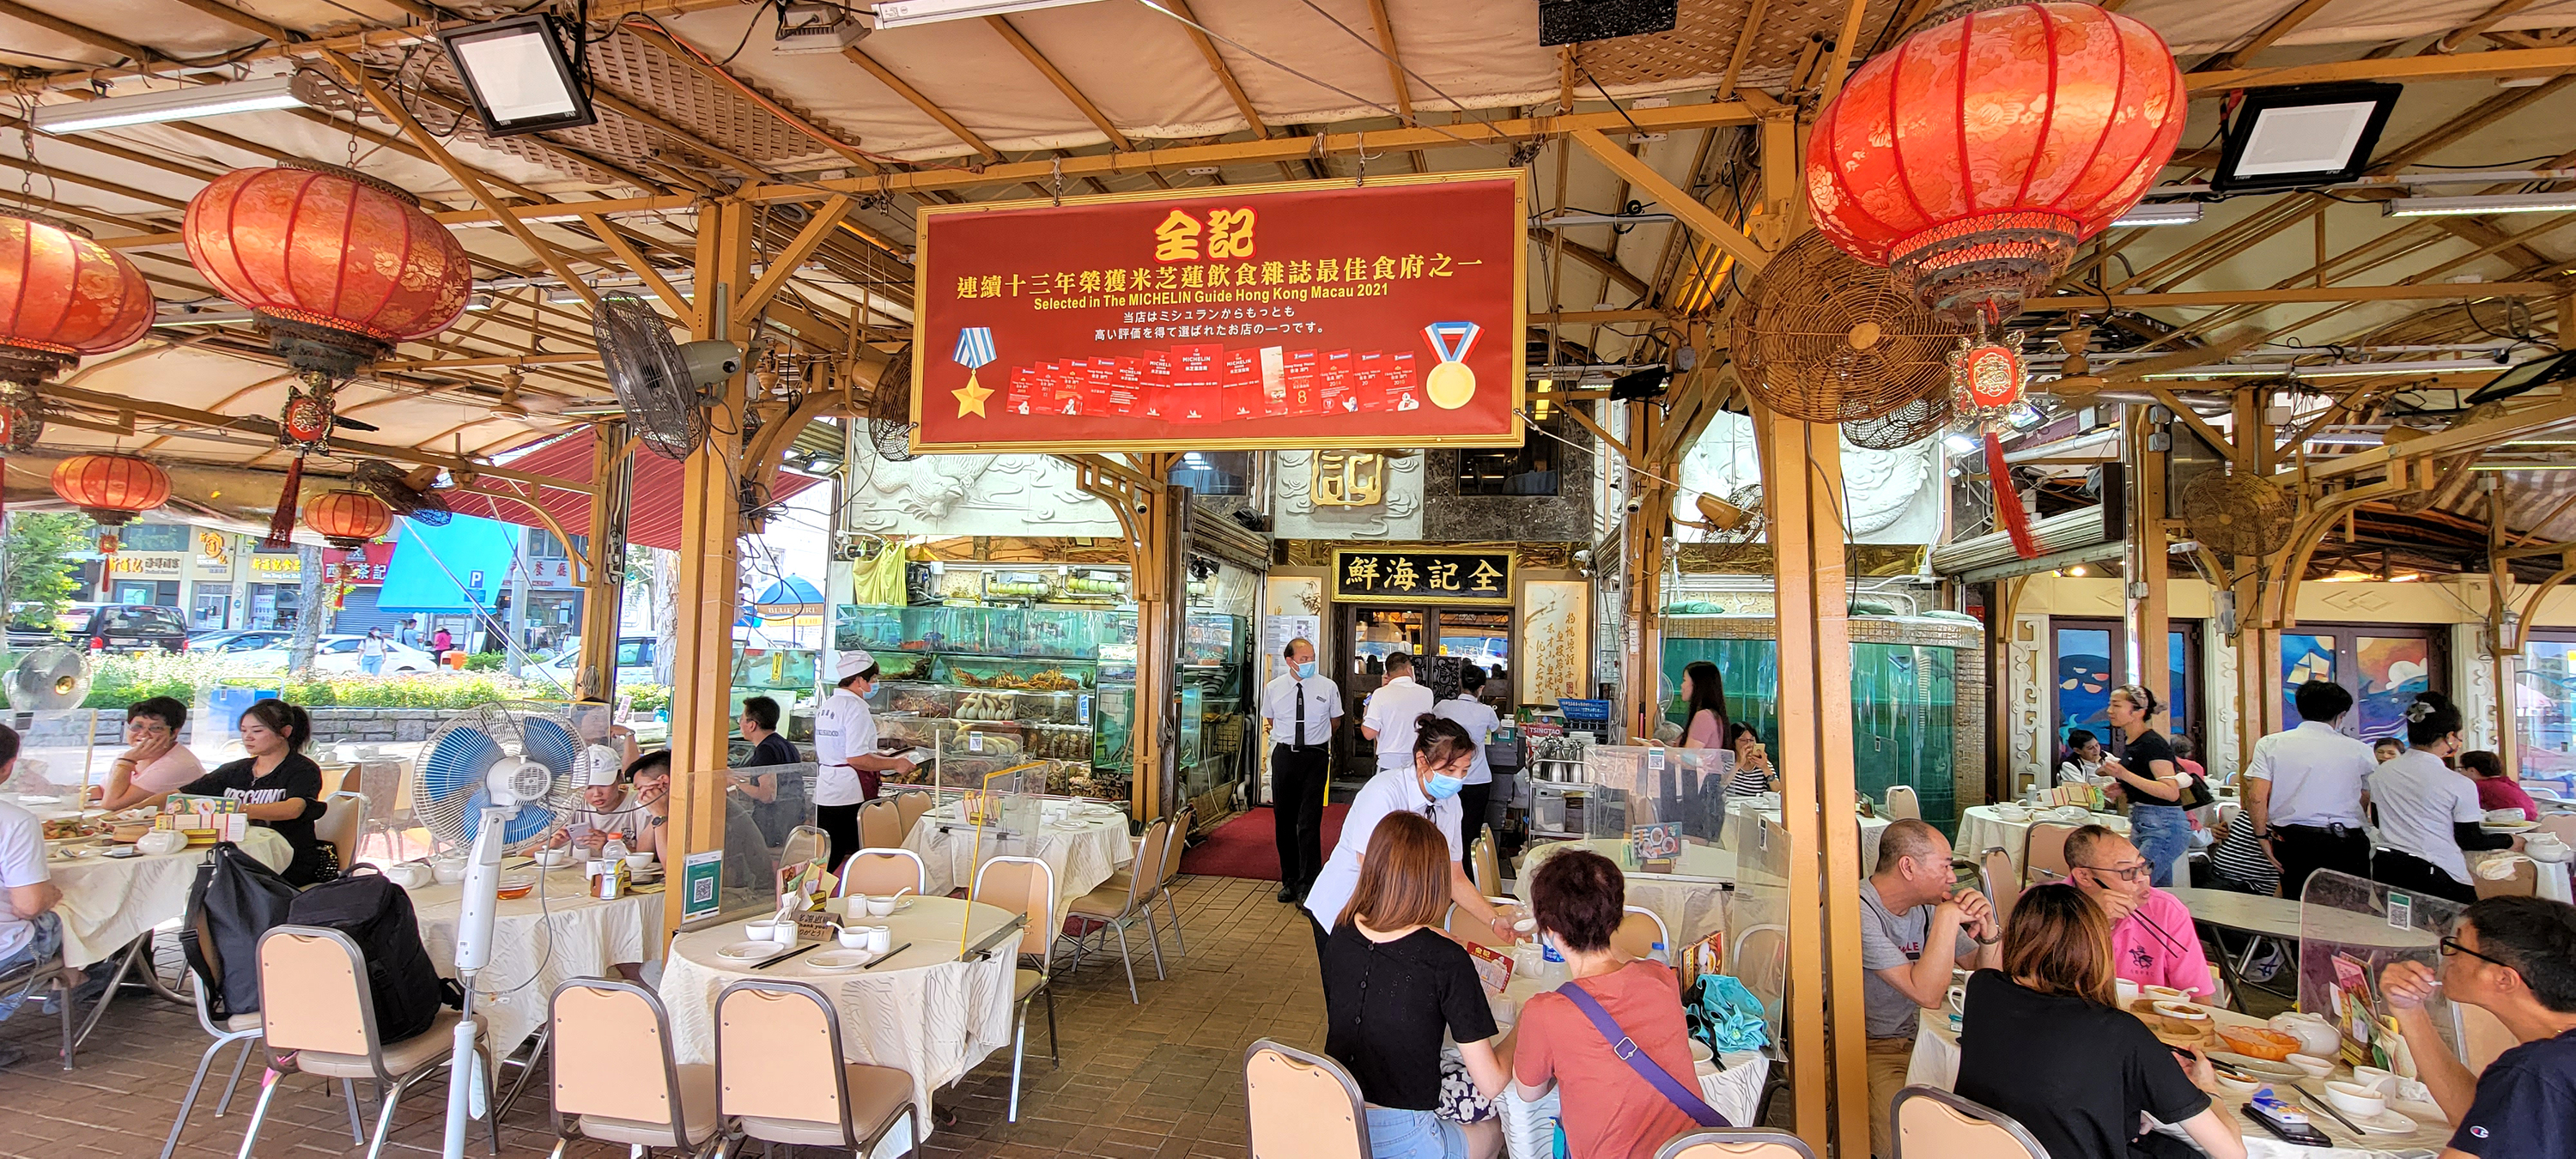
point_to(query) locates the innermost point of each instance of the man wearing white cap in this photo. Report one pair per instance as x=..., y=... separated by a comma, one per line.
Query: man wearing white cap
x=607, y=809
x=845, y=751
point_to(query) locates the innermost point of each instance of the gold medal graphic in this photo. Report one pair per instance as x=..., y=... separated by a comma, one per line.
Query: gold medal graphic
x=1451, y=384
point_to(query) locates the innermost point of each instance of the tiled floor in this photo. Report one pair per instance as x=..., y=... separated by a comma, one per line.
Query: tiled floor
x=1164, y=1078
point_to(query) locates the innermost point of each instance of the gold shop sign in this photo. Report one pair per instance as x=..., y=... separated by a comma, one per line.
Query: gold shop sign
x=282, y=566
x=1428, y=576
x=1348, y=479
x=146, y=565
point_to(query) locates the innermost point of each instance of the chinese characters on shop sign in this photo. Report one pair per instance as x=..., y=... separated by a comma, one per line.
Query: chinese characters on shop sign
x=1422, y=577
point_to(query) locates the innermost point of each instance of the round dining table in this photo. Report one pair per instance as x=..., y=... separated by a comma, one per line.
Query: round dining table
x=558, y=932
x=1693, y=900
x=1982, y=828
x=935, y=1006
x=1083, y=844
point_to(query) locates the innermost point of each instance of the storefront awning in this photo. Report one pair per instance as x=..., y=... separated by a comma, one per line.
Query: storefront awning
x=461, y=567
x=653, y=519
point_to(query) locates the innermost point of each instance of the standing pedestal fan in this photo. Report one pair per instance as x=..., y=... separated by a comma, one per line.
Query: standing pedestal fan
x=502, y=778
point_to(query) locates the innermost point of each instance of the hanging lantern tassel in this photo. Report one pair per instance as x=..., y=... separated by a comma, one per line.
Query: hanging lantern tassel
x=2008, y=500
x=281, y=526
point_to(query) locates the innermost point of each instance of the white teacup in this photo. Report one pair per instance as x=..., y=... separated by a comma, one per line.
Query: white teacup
x=851, y=937
x=1958, y=999
x=2128, y=990
x=881, y=906
x=880, y=939
x=639, y=862
x=2356, y=1099
x=763, y=930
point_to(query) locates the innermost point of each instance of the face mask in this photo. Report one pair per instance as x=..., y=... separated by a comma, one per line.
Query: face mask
x=1444, y=786
x=1306, y=671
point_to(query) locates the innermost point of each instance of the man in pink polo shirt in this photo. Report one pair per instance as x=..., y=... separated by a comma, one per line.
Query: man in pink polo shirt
x=2152, y=939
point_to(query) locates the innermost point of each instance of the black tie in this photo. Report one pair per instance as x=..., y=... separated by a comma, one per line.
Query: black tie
x=1299, y=741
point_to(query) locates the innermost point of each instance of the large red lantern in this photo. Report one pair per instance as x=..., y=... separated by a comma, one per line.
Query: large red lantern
x=347, y=518
x=339, y=266
x=1975, y=155
x=63, y=296
x=111, y=489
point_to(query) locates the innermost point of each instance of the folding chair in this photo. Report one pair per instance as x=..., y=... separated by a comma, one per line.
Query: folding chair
x=1301, y=1104
x=1113, y=907
x=1931, y=1123
x=1740, y=1143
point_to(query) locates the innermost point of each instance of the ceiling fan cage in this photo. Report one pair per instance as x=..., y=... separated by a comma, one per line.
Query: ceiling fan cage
x=1827, y=338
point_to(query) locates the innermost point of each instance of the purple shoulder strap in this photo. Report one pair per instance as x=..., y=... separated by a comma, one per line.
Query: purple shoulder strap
x=1629, y=1052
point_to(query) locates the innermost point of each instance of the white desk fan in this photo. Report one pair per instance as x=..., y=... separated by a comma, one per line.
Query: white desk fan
x=499, y=777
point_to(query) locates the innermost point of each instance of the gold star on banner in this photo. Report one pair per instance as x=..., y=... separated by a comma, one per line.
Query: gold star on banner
x=970, y=399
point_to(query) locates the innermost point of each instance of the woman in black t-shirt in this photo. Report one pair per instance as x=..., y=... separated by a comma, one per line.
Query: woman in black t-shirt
x=2153, y=780
x=1393, y=983
x=2042, y=1041
x=278, y=785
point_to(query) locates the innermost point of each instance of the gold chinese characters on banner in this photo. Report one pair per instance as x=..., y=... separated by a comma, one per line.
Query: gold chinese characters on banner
x=1422, y=577
x=1348, y=479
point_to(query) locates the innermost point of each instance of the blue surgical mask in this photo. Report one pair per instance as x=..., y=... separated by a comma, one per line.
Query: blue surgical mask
x=1306, y=671
x=1444, y=786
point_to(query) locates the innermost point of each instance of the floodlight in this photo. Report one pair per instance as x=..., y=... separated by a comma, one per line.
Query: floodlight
x=2558, y=202
x=2526, y=376
x=1648, y=382
x=893, y=14
x=2302, y=136
x=186, y=104
x=515, y=72
x=2169, y=213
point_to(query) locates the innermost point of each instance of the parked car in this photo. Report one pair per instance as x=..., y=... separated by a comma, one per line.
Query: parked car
x=335, y=655
x=105, y=628
x=635, y=656
x=240, y=640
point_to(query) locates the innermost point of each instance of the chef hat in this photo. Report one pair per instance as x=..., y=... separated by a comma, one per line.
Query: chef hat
x=600, y=765
x=853, y=662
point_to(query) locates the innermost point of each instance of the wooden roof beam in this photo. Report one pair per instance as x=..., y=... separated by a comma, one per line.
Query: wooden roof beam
x=2493, y=64
x=955, y=127
x=2263, y=37
x=2403, y=292
x=1056, y=77
x=81, y=32
x=275, y=33
x=1701, y=219
x=1395, y=72
x=100, y=184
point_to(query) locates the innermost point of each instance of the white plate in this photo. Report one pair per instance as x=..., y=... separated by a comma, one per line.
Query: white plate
x=840, y=959
x=751, y=951
x=2264, y=1067
x=2386, y=1123
x=40, y=800
x=2421, y=1112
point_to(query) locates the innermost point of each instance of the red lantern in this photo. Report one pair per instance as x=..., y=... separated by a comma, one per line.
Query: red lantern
x=339, y=265
x=1976, y=154
x=347, y=518
x=63, y=296
x=111, y=489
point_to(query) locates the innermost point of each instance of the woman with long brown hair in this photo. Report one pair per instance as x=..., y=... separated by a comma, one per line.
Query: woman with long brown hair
x=1393, y=983
x=2044, y=1041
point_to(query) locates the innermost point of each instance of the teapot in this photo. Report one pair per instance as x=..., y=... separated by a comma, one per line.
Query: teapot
x=2317, y=1037
x=409, y=874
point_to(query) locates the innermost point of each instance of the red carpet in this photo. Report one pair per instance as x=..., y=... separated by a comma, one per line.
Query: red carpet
x=1248, y=846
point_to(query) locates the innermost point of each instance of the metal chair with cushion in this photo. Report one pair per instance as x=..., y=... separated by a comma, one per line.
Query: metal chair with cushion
x=342, y=823
x=2525, y=881
x=909, y=807
x=241, y=1028
x=1903, y=804
x=1740, y=1143
x=1026, y=885
x=2046, y=853
x=780, y=1074
x=1301, y=1106
x=882, y=872
x=1931, y=1123
x=614, y=1074
x=2002, y=885
x=1114, y=907
x=319, y=1017
x=881, y=825
x=1487, y=859
x=1641, y=934
x=48, y=976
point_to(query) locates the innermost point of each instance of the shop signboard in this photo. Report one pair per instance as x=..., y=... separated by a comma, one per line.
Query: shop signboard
x=211, y=557
x=1426, y=576
x=358, y=567
x=276, y=567
x=1313, y=314
x=153, y=565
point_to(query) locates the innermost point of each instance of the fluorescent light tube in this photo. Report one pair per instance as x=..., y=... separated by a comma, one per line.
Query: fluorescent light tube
x=2338, y=369
x=215, y=100
x=202, y=318
x=1565, y=220
x=902, y=13
x=2559, y=202
x=2176, y=213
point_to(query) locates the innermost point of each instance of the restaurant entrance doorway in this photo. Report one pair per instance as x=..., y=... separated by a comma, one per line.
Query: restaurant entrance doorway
x=1481, y=636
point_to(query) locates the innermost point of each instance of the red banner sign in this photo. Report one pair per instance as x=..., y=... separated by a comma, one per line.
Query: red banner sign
x=1309, y=315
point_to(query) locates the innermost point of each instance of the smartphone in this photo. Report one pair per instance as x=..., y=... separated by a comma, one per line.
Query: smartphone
x=2297, y=1134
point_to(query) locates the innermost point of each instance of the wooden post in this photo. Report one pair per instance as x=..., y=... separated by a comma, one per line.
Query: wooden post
x=603, y=597
x=702, y=638
x=2145, y=620
x=1642, y=651
x=1801, y=481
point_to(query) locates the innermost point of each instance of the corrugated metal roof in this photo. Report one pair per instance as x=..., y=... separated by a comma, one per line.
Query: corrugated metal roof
x=653, y=519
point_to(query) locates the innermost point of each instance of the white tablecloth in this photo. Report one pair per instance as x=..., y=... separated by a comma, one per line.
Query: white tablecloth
x=1981, y=829
x=540, y=941
x=1739, y=831
x=110, y=901
x=1082, y=856
x=1692, y=905
x=923, y=1009
x=1936, y=1063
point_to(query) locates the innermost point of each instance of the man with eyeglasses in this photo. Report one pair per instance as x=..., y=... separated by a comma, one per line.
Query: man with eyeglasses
x=2515, y=957
x=2152, y=939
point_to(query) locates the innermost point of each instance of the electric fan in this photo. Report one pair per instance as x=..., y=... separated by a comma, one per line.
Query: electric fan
x=890, y=410
x=2238, y=513
x=408, y=493
x=502, y=777
x=1827, y=338
x=662, y=384
x=49, y=679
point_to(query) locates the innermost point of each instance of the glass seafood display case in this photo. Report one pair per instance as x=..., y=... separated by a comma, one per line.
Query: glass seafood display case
x=987, y=688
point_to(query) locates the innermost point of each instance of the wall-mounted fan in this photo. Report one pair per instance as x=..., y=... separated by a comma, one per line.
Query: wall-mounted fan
x=1733, y=523
x=2237, y=513
x=410, y=493
x=1828, y=338
x=890, y=409
x=49, y=679
x=664, y=385
x=1906, y=425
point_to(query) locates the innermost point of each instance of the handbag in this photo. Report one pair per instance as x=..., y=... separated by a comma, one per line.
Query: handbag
x=2196, y=795
x=1628, y=1052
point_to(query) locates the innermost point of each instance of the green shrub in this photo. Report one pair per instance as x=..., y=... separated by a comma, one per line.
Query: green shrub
x=486, y=662
x=117, y=681
x=647, y=697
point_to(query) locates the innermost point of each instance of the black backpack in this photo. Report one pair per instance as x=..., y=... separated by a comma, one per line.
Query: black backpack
x=376, y=914
x=233, y=901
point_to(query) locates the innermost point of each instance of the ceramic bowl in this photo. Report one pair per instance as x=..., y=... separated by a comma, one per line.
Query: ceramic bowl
x=448, y=872
x=162, y=841
x=639, y=862
x=2181, y=1011
x=2356, y=1099
x=879, y=907
x=2234, y=1085
x=2385, y=1082
x=2012, y=813
x=760, y=931
x=2165, y=993
x=514, y=887
x=2317, y=1068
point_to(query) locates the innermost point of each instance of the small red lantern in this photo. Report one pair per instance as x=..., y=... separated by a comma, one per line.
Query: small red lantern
x=111, y=489
x=63, y=296
x=1976, y=154
x=347, y=518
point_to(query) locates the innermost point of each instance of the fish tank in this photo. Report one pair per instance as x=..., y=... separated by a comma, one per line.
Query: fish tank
x=1918, y=688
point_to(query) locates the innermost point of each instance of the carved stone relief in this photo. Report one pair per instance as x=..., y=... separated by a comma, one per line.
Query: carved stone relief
x=2477, y=684
x=2224, y=714
x=2025, y=705
x=1396, y=515
x=972, y=495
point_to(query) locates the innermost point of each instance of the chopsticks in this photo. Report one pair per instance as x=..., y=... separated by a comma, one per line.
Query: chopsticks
x=885, y=957
x=2328, y=1108
x=766, y=963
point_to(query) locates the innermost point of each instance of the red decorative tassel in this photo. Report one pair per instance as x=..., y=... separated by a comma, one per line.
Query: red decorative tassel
x=2008, y=501
x=281, y=526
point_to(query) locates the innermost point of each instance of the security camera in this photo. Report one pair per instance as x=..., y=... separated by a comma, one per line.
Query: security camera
x=1583, y=555
x=1636, y=505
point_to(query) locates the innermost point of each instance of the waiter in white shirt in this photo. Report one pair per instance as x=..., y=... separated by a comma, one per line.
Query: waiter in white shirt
x=1300, y=707
x=1479, y=719
x=848, y=766
x=2305, y=788
x=1435, y=768
x=1388, y=719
